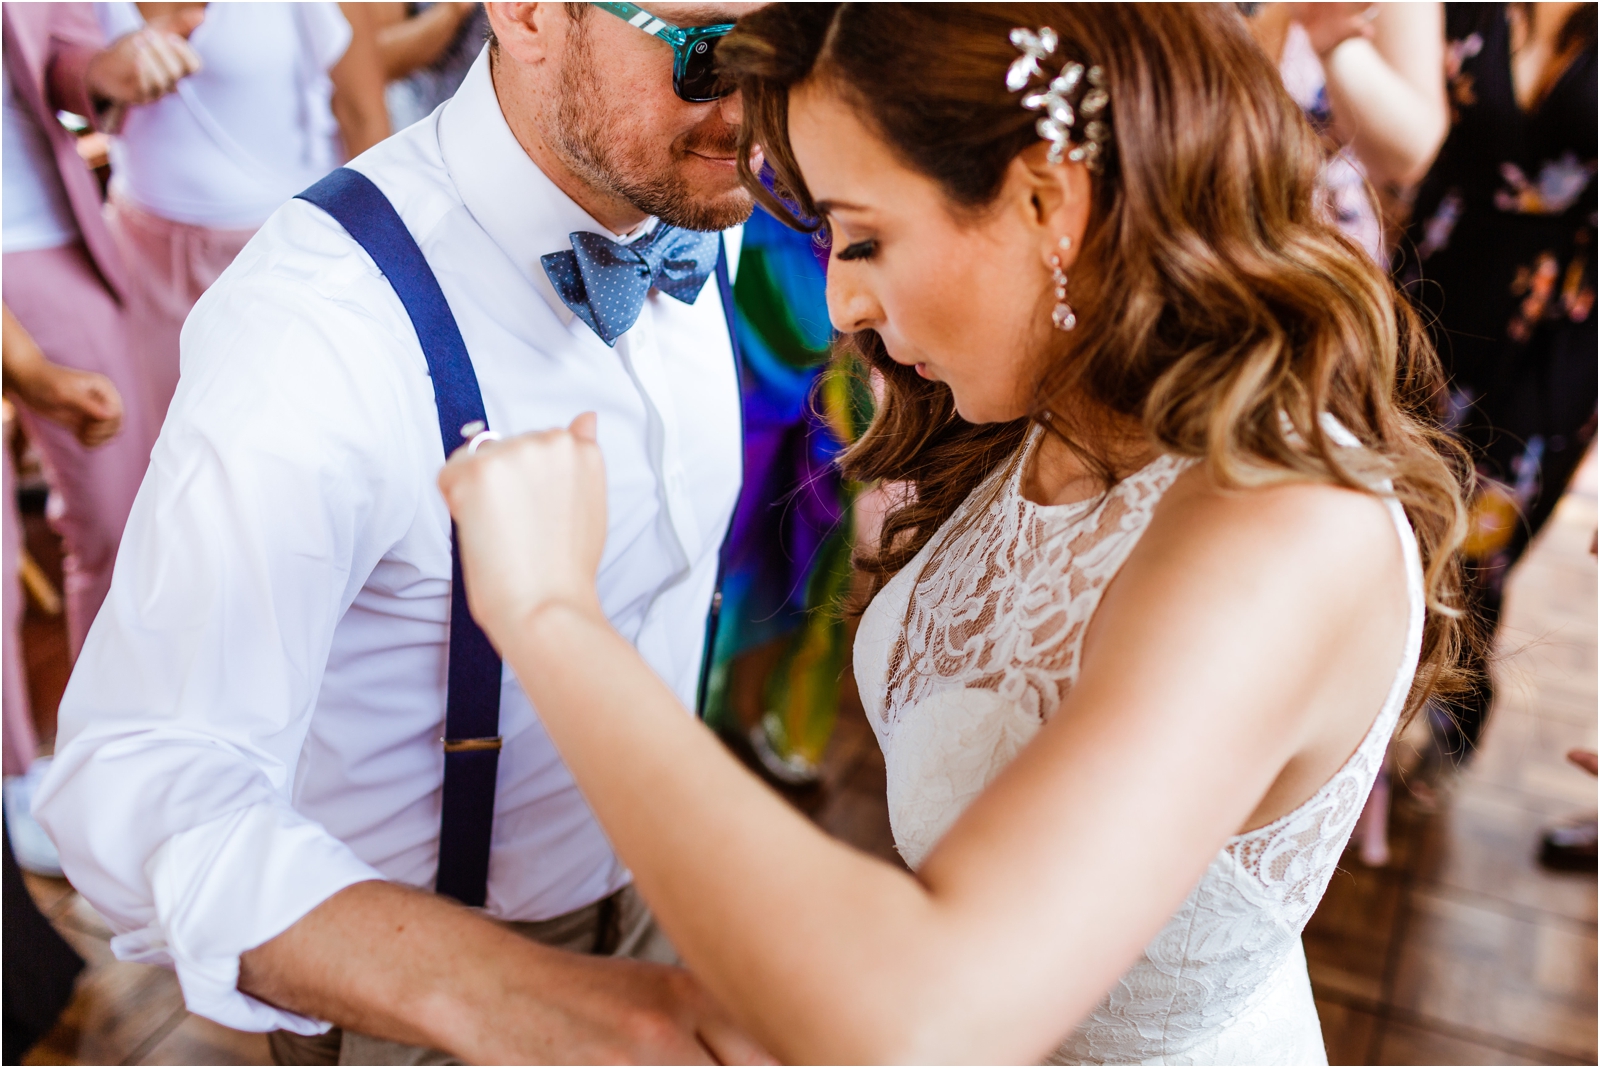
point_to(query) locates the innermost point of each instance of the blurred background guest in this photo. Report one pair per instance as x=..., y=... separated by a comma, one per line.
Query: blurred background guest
x=1501, y=255
x=1573, y=846
x=426, y=50
x=63, y=279
x=1371, y=79
x=39, y=967
x=86, y=407
x=286, y=93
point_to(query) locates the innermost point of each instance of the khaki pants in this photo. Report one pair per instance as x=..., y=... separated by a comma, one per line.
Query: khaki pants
x=615, y=926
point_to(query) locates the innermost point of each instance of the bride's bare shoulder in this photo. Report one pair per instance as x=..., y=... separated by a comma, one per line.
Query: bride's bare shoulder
x=1312, y=530
x=1297, y=503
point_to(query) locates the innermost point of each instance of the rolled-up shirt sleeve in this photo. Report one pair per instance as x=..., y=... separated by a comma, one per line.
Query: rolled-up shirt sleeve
x=283, y=474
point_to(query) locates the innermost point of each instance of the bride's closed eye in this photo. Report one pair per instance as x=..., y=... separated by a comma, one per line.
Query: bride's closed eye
x=860, y=250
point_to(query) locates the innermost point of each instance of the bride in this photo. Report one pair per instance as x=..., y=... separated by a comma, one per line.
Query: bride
x=1176, y=552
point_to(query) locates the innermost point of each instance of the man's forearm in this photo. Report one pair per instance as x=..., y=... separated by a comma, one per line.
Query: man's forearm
x=387, y=961
x=400, y=964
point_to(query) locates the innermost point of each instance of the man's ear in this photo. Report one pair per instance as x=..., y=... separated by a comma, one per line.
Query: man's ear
x=528, y=33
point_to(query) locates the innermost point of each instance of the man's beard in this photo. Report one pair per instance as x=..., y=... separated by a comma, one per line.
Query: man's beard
x=587, y=138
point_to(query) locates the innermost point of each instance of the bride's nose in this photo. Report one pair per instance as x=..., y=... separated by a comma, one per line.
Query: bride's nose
x=852, y=306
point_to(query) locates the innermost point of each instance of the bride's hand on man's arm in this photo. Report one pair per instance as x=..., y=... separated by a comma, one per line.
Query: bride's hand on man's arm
x=530, y=514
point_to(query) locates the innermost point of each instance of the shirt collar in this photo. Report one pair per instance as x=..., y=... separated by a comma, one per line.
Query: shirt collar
x=519, y=207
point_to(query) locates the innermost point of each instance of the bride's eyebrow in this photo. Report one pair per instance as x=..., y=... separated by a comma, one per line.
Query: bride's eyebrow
x=828, y=207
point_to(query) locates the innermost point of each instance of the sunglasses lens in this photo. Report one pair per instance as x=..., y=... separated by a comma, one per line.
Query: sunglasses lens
x=700, y=81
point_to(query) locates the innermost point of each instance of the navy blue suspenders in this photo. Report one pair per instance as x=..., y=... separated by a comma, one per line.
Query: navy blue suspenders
x=472, y=702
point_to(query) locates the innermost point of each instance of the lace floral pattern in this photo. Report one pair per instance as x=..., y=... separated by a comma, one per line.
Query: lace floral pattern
x=987, y=611
x=969, y=650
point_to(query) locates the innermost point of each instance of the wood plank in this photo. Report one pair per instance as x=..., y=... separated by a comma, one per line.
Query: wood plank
x=199, y=1041
x=1527, y=980
x=1348, y=1032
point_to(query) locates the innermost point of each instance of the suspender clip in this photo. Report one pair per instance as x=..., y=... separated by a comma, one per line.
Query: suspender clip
x=470, y=745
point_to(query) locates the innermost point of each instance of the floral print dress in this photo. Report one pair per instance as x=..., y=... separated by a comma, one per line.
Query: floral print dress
x=1500, y=257
x=1501, y=246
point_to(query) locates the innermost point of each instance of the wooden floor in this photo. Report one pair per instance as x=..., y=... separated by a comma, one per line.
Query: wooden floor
x=1463, y=951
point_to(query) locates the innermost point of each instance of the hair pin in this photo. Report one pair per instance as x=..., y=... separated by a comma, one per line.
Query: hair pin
x=1077, y=92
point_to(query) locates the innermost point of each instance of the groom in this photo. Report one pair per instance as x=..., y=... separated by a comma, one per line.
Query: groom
x=248, y=776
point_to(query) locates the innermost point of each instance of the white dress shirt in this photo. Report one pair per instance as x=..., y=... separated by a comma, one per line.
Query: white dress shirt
x=255, y=720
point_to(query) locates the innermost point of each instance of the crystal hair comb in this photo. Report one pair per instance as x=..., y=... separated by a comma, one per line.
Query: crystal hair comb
x=1077, y=92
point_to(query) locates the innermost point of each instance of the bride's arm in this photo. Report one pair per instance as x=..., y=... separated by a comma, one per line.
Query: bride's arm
x=1234, y=616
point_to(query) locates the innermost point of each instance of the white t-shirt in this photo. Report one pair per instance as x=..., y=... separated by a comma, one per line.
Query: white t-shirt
x=250, y=130
x=36, y=212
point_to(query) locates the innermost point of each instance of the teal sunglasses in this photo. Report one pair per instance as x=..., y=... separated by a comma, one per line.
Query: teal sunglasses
x=694, y=65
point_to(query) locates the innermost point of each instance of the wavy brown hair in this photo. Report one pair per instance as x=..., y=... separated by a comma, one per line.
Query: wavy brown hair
x=1218, y=307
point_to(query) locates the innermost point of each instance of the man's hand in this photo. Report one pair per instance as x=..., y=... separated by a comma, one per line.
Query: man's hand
x=146, y=65
x=603, y=1010
x=82, y=401
x=408, y=966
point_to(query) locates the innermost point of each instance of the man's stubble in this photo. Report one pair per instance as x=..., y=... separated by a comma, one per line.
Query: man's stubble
x=586, y=134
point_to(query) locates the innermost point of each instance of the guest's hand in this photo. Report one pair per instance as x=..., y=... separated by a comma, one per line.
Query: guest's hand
x=531, y=518
x=147, y=64
x=82, y=401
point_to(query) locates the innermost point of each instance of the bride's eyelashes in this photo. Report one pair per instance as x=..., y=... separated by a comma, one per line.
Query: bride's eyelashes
x=860, y=250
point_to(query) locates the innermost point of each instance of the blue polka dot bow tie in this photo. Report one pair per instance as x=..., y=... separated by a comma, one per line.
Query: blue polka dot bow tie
x=605, y=283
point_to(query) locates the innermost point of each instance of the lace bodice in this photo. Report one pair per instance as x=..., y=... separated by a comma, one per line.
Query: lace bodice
x=968, y=651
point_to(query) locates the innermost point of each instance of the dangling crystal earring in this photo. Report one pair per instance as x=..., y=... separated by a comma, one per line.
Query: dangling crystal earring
x=1061, y=315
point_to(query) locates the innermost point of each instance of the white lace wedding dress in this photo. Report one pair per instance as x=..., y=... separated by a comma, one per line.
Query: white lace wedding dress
x=973, y=646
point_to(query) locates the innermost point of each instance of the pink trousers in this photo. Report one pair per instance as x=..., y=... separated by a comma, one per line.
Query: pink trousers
x=169, y=265
x=57, y=295
x=59, y=298
x=19, y=741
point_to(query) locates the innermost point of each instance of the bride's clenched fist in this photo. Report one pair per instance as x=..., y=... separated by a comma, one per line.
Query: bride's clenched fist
x=531, y=520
